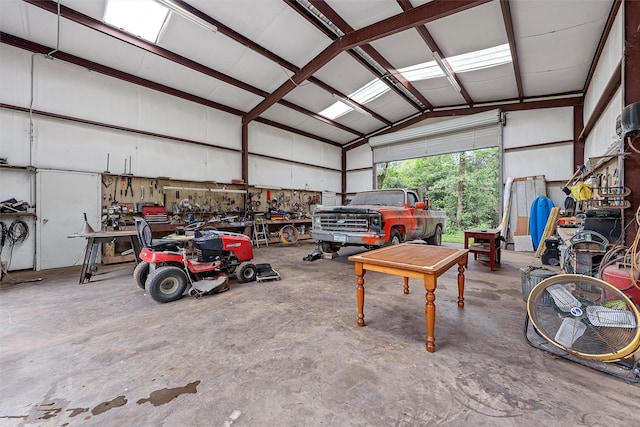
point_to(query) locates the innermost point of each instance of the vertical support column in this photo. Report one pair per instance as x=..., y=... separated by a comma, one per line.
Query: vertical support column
x=631, y=94
x=578, y=144
x=344, y=177
x=245, y=152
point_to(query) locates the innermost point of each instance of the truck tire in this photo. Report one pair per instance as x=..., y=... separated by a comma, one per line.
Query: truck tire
x=328, y=247
x=436, y=239
x=395, y=238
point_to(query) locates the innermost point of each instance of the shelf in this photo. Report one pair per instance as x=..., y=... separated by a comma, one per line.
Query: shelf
x=17, y=214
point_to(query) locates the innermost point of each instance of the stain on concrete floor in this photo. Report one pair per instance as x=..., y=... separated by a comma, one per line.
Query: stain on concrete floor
x=289, y=353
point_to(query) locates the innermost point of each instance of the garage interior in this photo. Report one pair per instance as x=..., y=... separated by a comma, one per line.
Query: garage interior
x=251, y=116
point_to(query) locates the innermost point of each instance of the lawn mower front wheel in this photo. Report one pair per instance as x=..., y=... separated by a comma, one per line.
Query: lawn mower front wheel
x=166, y=284
x=140, y=273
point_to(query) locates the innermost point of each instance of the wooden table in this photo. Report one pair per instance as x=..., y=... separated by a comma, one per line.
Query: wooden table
x=485, y=241
x=412, y=260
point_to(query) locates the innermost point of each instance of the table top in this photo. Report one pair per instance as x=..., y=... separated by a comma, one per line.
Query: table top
x=113, y=233
x=412, y=257
x=483, y=231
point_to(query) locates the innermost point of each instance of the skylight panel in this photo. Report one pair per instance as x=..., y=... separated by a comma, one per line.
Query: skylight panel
x=481, y=59
x=472, y=61
x=143, y=18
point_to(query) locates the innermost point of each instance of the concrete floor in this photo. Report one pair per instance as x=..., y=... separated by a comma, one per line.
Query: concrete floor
x=289, y=353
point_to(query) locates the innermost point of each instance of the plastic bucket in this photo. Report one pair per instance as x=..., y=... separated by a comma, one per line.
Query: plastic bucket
x=531, y=276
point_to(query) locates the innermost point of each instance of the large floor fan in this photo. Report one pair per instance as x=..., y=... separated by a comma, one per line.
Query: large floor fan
x=586, y=320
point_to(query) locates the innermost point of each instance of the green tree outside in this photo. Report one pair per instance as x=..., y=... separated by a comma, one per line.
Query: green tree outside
x=464, y=185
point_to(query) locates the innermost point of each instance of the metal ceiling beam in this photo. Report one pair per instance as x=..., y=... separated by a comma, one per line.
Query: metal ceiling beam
x=570, y=99
x=250, y=44
x=344, y=26
x=87, y=21
x=511, y=38
x=433, y=47
x=313, y=19
x=420, y=15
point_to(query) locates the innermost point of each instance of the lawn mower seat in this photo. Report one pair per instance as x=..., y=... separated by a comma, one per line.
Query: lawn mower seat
x=143, y=230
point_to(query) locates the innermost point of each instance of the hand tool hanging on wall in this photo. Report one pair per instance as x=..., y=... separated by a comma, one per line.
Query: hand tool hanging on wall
x=126, y=190
x=122, y=185
x=115, y=188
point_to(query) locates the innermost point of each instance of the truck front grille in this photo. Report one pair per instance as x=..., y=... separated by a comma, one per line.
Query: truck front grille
x=344, y=222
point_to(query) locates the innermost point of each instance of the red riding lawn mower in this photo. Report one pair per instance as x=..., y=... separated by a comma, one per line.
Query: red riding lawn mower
x=167, y=272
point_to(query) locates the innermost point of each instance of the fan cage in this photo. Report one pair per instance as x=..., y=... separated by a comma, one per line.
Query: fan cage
x=585, y=316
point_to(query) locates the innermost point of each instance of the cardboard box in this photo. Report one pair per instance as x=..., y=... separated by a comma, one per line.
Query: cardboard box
x=522, y=226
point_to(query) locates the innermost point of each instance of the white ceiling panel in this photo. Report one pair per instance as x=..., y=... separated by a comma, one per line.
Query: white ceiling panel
x=233, y=97
x=345, y=74
x=376, y=10
x=32, y=23
x=391, y=106
x=222, y=54
x=473, y=29
x=439, y=92
x=485, y=85
x=300, y=121
x=533, y=18
x=403, y=49
x=291, y=37
x=272, y=24
x=310, y=96
x=360, y=122
x=94, y=9
x=556, y=81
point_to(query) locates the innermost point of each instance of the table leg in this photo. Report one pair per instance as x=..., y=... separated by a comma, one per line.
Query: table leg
x=492, y=254
x=430, y=311
x=406, y=286
x=460, y=284
x=89, y=264
x=360, y=292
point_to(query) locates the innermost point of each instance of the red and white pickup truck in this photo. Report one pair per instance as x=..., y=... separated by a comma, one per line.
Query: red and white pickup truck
x=377, y=218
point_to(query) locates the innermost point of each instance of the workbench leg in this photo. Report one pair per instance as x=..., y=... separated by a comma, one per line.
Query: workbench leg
x=360, y=292
x=88, y=266
x=430, y=311
x=406, y=286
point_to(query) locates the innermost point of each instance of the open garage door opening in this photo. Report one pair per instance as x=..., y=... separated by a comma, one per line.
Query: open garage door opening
x=465, y=185
x=456, y=162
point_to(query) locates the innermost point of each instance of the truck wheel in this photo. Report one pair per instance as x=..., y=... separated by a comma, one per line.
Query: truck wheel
x=328, y=247
x=166, y=284
x=436, y=239
x=140, y=273
x=395, y=238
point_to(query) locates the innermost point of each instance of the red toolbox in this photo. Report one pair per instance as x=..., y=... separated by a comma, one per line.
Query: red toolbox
x=154, y=213
x=619, y=276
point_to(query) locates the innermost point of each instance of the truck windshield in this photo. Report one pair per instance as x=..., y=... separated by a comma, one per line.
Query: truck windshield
x=379, y=198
